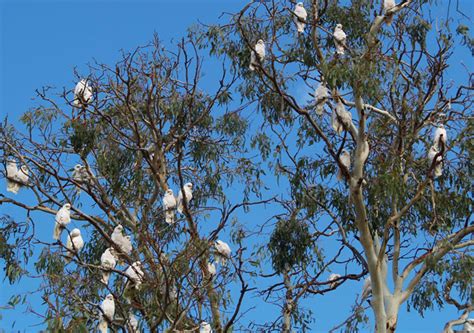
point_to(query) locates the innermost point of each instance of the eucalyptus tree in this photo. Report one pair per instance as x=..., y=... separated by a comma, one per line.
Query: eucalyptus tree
x=394, y=215
x=149, y=126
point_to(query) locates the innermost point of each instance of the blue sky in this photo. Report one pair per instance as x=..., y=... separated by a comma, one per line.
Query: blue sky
x=41, y=43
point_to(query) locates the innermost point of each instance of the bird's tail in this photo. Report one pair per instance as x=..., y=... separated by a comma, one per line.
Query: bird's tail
x=105, y=277
x=103, y=326
x=438, y=170
x=320, y=107
x=251, y=67
x=169, y=216
x=179, y=208
x=68, y=257
x=57, y=231
x=13, y=187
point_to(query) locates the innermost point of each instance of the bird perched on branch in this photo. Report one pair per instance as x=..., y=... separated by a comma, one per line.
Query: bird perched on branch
x=300, y=16
x=108, y=260
x=122, y=243
x=74, y=244
x=188, y=195
x=223, y=252
x=258, y=52
x=345, y=159
x=333, y=277
x=82, y=94
x=339, y=39
x=321, y=95
x=211, y=268
x=440, y=135
x=16, y=178
x=135, y=275
x=63, y=218
x=366, y=289
x=438, y=167
x=169, y=205
x=387, y=5
x=107, y=313
x=205, y=327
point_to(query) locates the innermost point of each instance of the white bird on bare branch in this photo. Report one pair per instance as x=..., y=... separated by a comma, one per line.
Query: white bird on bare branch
x=108, y=261
x=63, y=218
x=223, y=252
x=82, y=93
x=107, y=313
x=345, y=159
x=300, y=16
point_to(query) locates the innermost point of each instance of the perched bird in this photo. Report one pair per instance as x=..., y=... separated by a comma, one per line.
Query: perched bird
x=321, y=95
x=387, y=5
x=205, y=327
x=188, y=195
x=108, y=260
x=333, y=277
x=107, y=313
x=223, y=252
x=366, y=289
x=344, y=115
x=440, y=135
x=345, y=159
x=300, y=16
x=211, y=268
x=133, y=323
x=79, y=174
x=339, y=39
x=82, y=94
x=63, y=218
x=169, y=205
x=469, y=326
x=335, y=122
x=259, y=52
x=12, y=170
x=135, y=274
x=117, y=234
x=74, y=243
x=438, y=168
x=22, y=175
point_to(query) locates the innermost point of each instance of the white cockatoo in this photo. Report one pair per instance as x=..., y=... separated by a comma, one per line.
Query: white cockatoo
x=12, y=170
x=169, y=205
x=122, y=243
x=211, y=268
x=74, y=243
x=345, y=159
x=108, y=260
x=469, y=326
x=339, y=39
x=22, y=175
x=135, y=274
x=321, y=96
x=387, y=5
x=107, y=313
x=63, y=218
x=259, y=52
x=133, y=323
x=344, y=115
x=440, y=135
x=336, y=123
x=333, y=277
x=223, y=252
x=366, y=289
x=188, y=195
x=82, y=94
x=300, y=16
x=205, y=327
x=438, y=168
x=80, y=174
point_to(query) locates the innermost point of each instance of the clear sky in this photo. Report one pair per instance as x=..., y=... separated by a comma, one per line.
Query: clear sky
x=42, y=41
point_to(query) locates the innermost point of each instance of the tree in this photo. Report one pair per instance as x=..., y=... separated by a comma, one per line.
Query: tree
x=151, y=126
